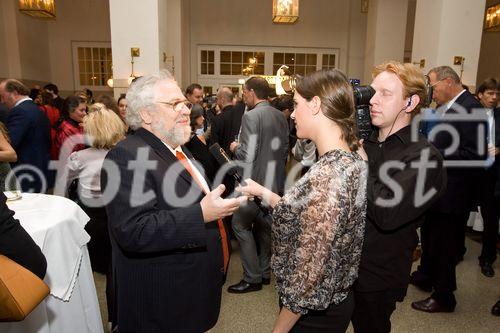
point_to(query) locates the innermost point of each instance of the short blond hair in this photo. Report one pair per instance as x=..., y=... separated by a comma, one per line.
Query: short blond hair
x=103, y=127
x=410, y=75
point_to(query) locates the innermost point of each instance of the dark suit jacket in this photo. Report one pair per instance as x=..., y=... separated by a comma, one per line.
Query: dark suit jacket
x=16, y=243
x=226, y=125
x=29, y=131
x=460, y=194
x=167, y=263
x=496, y=165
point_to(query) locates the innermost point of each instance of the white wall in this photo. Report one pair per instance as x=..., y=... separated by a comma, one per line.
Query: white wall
x=386, y=33
x=40, y=50
x=24, y=41
x=322, y=24
x=82, y=20
x=10, y=65
x=448, y=28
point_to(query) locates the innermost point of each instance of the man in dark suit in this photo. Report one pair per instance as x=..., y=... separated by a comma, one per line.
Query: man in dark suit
x=488, y=93
x=262, y=150
x=227, y=123
x=443, y=232
x=169, y=246
x=29, y=131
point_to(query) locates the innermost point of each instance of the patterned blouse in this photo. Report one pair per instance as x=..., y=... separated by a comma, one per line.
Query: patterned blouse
x=318, y=231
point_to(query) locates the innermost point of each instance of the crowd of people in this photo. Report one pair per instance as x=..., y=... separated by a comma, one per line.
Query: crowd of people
x=337, y=228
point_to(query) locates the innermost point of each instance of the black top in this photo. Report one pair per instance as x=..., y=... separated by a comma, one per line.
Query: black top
x=202, y=154
x=16, y=243
x=226, y=125
x=390, y=235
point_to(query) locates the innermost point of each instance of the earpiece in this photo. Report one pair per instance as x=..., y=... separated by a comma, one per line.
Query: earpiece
x=408, y=104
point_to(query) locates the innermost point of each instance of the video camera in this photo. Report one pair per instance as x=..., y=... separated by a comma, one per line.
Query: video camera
x=362, y=96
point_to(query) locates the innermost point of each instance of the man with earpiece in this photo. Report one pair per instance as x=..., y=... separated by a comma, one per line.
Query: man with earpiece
x=405, y=178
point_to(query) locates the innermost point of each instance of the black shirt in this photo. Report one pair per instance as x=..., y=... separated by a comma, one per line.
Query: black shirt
x=202, y=154
x=390, y=233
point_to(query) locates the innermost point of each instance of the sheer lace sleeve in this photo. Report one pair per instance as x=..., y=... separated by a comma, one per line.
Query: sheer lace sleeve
x=317, y=237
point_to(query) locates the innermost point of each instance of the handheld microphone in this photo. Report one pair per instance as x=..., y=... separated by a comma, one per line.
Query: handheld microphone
x=223, y=158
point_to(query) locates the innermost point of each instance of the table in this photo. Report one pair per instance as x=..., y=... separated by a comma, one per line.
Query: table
x=56, y=224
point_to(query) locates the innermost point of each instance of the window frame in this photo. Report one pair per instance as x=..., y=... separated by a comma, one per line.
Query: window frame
x=76, y=67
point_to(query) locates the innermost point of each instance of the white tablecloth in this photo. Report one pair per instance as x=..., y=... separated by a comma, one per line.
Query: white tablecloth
x=56, y=224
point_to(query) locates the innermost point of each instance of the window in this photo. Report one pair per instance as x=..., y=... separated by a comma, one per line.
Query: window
x=239, y=62
x=94, y=65
x=328, y=61
x=298, y=63
x=207, y=62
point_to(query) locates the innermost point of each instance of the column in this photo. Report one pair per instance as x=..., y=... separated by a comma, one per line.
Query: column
x=448, y=28
x=153, y=26
x=385, y=33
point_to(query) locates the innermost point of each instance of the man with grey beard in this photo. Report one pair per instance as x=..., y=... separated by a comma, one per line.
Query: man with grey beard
x=169, y=246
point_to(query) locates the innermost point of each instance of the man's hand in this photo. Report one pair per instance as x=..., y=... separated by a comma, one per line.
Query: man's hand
x=492, y=150
x=214, y=207
x=233, y=146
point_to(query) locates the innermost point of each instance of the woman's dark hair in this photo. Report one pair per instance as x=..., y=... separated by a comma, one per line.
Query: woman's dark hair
x=47, y=98
x=34, y=93
x=70, y=104
x=122, y=96
x=337, y=103
x=196, y=112
x=283, y=102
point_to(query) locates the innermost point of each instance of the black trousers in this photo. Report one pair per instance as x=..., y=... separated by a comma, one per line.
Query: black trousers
x=335, y=319
x=100, y=251
x=440, y=235
x=490, y=212
x=373, y=310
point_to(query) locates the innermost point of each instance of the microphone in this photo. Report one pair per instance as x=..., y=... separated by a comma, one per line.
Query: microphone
x=223, y=158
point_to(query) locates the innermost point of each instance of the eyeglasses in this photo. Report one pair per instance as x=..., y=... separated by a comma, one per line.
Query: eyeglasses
x=179, y=105
x=435, y=83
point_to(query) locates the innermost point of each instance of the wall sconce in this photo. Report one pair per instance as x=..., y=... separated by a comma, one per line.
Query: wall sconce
x=364, y=6
x=134, y=52
x=285, y=11
x=110, y=82
x=38, y=8
x=492, y=18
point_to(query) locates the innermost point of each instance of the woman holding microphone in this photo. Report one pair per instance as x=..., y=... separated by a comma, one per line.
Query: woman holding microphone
x=318, y=225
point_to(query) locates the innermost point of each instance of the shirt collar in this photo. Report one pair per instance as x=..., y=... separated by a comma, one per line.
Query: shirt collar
x=22, y=100
x=173, y=150
x=404, y=135
x=450, y=103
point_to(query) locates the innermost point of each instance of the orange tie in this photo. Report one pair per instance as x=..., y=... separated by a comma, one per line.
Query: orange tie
x=225, y=248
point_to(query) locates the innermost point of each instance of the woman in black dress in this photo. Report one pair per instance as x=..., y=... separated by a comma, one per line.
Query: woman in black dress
x=198, y=146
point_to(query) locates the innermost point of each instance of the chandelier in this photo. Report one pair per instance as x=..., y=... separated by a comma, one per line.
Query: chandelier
x=285, y=11
x=38, y=8
x=492, y=19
